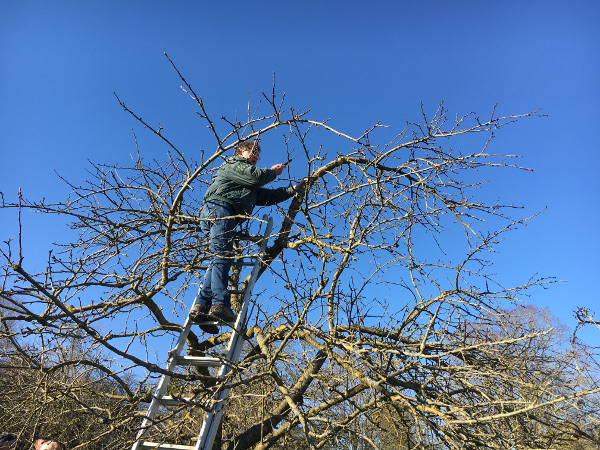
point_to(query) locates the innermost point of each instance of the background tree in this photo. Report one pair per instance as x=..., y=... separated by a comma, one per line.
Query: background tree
x=537, y=364
x=57, y=384
x=368, y=332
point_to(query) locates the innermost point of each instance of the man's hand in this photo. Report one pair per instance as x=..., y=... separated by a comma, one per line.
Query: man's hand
x=278, y=168
x=299, y=186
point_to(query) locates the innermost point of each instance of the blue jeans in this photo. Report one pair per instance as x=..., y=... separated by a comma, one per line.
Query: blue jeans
x=219, y=226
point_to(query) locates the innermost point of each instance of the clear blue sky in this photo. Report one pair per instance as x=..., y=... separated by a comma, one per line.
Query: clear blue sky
x=355, y=62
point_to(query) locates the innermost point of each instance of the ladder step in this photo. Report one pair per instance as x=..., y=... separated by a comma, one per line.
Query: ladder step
x=207, y=322
x=151, y=445
x=203, y=361
x=215, y=322
x=236, y=291
x=168, y=400
x=248, y=237
x=218, y=323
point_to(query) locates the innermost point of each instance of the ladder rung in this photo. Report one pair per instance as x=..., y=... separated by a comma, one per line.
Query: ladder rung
x=150, y=445
x=249, y=237
x=207, y=322
x=205, y=361
x=168, y=400
x=243, y=263
x=236, y=291
x=218, y=323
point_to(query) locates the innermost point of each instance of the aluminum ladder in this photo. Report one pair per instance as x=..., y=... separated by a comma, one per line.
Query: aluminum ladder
x=212, y=418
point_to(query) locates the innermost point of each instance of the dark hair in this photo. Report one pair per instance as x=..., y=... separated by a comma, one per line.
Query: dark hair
x=10, y=438
x=246, y=145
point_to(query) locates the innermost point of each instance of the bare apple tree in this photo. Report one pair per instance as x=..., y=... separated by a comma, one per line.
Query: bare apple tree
x=379, y=323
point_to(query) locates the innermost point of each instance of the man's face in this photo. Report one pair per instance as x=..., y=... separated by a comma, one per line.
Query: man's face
x=50, y=445
x=251, y=155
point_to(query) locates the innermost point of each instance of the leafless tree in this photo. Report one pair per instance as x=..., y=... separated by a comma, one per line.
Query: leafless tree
x=363, y=334
x=60, y=386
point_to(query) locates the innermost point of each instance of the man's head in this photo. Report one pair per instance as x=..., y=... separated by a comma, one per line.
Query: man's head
x=249, y=150
x=51, y=445
x=7, y=441
x=45, y=443
x=39, y=442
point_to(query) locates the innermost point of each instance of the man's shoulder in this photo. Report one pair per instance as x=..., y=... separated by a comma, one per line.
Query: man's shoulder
x=241, y=166
x=233, y=164
x=236, y=163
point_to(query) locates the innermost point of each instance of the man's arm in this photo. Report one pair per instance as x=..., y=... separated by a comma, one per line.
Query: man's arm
x=267, y=197
x=249, y=176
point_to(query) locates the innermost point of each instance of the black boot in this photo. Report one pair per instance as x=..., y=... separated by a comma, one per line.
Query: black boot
x=222, y=313
x=199, y=315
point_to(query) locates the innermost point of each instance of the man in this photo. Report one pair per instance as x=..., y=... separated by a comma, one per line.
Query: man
x=45, y=443
x=39, y=442
x=51, y=445
x=236, y=189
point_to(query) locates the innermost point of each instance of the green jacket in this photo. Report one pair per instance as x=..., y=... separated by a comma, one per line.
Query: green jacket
x=239, y=183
